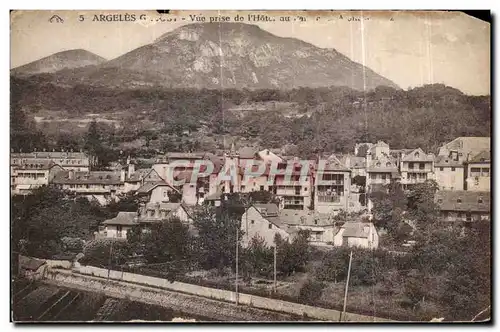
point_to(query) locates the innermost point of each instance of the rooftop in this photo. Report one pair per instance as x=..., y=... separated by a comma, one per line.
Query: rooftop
x=92, y=177
x=464, y=201
x=123, y=218
x=356, y=229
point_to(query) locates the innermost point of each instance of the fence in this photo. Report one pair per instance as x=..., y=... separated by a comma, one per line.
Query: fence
x=227, y=296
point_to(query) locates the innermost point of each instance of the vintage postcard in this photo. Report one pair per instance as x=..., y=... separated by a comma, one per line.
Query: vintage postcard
x=250, y=166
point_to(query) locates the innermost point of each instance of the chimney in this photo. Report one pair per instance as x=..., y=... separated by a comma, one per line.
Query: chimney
x=157, y=210
x=122, y=175
x=71, y=174
x=142, y=209
x=131, y=169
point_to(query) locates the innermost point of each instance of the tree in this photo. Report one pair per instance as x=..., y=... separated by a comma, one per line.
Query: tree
x=105, y=253
x=46, y=216
x=293, y=256
x=216, y=242
x=263, y=196
x=421, y=205
x=257, y=258
x=389, y=206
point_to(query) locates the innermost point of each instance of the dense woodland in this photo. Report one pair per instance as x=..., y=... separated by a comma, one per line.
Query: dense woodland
x=328, y=120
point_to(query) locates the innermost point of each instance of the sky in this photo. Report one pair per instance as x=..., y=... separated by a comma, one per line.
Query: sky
x=409, y=48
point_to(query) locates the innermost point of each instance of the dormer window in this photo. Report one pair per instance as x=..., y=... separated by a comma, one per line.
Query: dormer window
x=388, y=164
x=270, y=226
x=417, y=154
x=459, y=200
x=315, y=222
x=480, y=200
x=377, y=164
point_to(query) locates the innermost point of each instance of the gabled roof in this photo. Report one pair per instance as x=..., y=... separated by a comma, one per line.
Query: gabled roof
x=466, y=145
x=482, y=157
x=379, y=144
x=267, y=209
x=123, y=218
x=148, y=186
x=304, y=218
x=92, y=177
x=143, y=174
x=355, y=229
x=386, y=164
x=418, y=155
x=445, y=161
x=332, y=163
x=34, y=164
x=474, y=201
x=247, y=152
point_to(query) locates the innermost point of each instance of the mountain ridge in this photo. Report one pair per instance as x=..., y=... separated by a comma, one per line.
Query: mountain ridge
x=69, y=59
x=227, y=55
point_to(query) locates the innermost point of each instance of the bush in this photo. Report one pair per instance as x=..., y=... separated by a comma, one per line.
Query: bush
x=311, y=291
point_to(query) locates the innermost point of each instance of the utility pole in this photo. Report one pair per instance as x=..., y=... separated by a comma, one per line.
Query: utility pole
x=236, y=279
x=110, y=255
x=275, y=268
x=346, y=287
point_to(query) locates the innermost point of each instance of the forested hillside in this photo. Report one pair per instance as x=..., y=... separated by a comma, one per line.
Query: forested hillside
x=307, y=121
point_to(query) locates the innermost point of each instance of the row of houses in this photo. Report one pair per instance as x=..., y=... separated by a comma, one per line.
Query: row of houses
x=327, y=185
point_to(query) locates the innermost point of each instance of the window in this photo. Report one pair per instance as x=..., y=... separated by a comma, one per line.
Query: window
x=270, y=226
x=411, y=165
x=421, y=166
x=441, y=169
x=305, y=188
x=252, y=221
x=315, y=222
x=378, y=164
x=261, y=188
x=242, y=188
x=453, y=169
x=440, y=200
x=388, y=164
x=485, y=172
x=459, y=200
x=480, y=200
x=383, y=177
x=417, y=154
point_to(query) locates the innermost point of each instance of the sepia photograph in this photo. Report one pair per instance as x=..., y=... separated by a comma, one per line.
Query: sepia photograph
x=313, y=166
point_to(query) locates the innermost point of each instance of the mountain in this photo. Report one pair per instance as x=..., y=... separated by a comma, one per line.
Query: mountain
x=227, y=55
x=62, y=60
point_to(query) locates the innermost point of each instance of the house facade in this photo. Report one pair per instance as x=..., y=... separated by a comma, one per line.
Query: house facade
x=332, y=186
x=478, y=172
x=416, y=167
x=262, y=220
x=103, y=186
x=449, y=173
x=147, y=214
x=32, y=174
x=69, y=160
x=357, y=234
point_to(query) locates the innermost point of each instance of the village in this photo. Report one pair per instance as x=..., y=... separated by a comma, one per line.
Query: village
x=341, y=187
